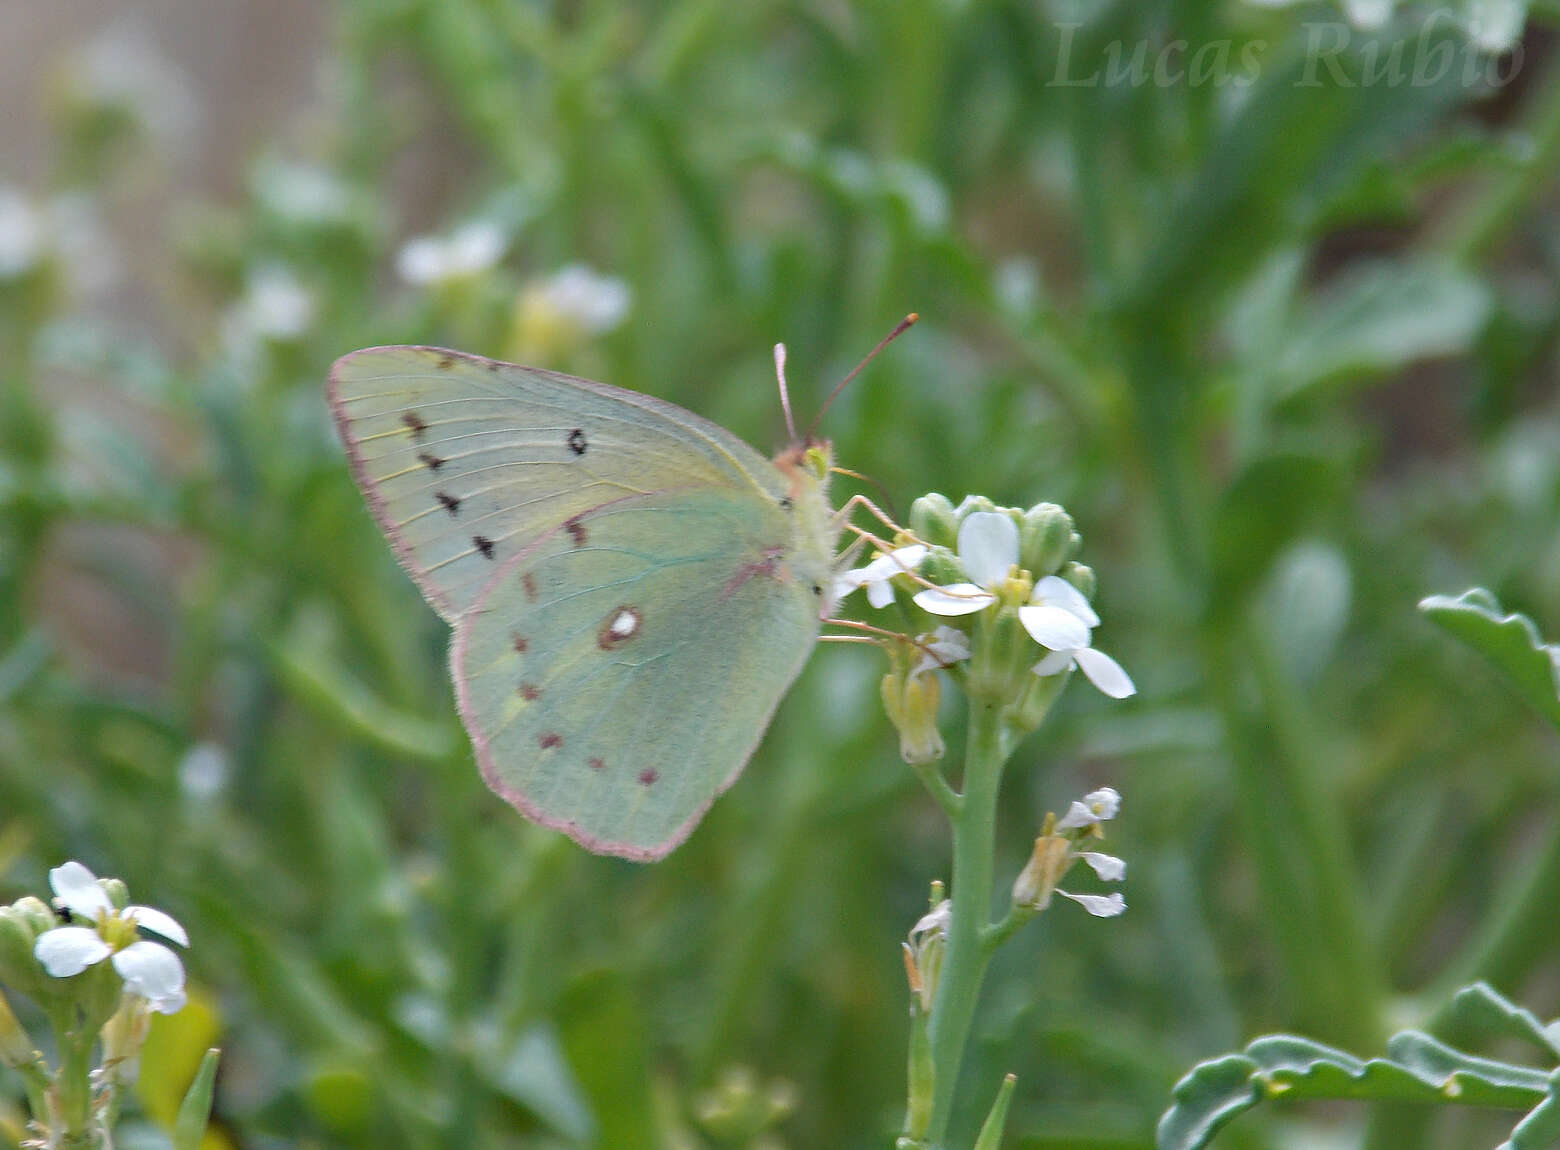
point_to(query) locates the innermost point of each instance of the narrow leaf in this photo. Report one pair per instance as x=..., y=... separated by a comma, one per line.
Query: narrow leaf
x=195, y=1111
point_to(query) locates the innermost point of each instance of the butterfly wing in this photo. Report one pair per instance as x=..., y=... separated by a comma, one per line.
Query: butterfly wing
x=616, y=675
x=467, y=461
x=632, y=587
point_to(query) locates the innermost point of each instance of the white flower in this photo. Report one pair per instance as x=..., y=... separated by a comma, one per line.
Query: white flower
x=148, y=968
x=876, y=576
x=942, y=648
x=1095, y=807
x=1057, y=616
x=591, y=302
x=933, y=923
x=1056, y=851
x=469, y=249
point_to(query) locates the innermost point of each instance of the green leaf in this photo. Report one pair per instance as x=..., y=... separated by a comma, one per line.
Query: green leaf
x=535, y=1072
x=189, y=1128
x=1541, y=1128
x=1510, y=641
x=1380, y=319
x=1418, y=1069
x=1482, y=1002
x=1265, y=507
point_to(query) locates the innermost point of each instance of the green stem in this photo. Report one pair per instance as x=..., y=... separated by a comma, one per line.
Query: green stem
x=964, y=964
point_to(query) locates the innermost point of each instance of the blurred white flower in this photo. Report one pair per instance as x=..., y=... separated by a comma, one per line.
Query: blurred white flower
x=148, y=968
x=278, y=306
x=24, y=236
x=576, y=294
x=204, y=772
x=121, y=68
x=87, y=252
x=275, y=307
x=68, y=229
x=470, y=249
x=303, y=193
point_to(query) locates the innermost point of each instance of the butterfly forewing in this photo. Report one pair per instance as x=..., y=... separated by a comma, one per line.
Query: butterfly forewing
x=467, y=461
x=616, y=675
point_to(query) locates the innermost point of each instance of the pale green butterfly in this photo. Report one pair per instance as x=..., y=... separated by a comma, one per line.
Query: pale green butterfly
x=632, y=588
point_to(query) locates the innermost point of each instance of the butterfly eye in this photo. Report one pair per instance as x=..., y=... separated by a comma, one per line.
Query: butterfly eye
x=817, y=590
x=785, y=503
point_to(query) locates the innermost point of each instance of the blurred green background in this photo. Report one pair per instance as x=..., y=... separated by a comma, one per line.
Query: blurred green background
x=1278, y=328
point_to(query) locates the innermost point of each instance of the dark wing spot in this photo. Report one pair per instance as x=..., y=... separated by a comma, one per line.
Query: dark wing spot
x=414, y=424
x=484, y=545
x=549, y=739
x=528, y=581
x=576, y=530
x=621, y=624
x=451, y=502
x=429, y=460
x=447, y=361
x=596, y=764
x=648, y=776
x=577, y=442
x=785, y=503
x=530, y=692
x=522, y=644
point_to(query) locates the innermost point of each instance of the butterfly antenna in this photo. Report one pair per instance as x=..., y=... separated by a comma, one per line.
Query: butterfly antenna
x=785, y=391
x=899, y=329
x=888, y=500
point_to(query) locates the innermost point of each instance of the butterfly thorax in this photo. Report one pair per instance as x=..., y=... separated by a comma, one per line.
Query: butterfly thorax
x=806, y=467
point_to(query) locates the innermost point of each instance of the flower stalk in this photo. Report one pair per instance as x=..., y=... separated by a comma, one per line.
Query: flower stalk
x=1018, y=622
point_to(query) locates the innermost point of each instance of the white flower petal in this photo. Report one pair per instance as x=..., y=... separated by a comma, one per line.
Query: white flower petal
x=1108, y=867
x=1099, y=905
x=151, y=970
x=68, y=950
x=1054, y=663
x=1057, y=592
x=941, y=648
x=1105, y=673
x=988, y=546
x=77, y=889
x=880, y=593
x=1078, y=815
x=958, y=599
x=935, y=919
x=169, y=1003
x=1054, y=627
x=1105, y=803
x=158, y=922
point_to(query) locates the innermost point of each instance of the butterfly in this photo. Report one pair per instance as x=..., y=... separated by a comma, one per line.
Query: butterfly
x=632, y=588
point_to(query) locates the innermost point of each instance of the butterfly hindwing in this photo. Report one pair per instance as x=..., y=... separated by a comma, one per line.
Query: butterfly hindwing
x=467, y=461
x=616, y=675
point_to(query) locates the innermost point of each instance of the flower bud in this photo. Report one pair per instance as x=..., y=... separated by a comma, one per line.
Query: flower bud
x=18, y=934
x=1080, y=577
x=16, y=1048
x=942, y=568
x=933, y=520
x=973, y=503
x=1046, y=539
x=1046, y=865
x=117, y=892
x=911, y=702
